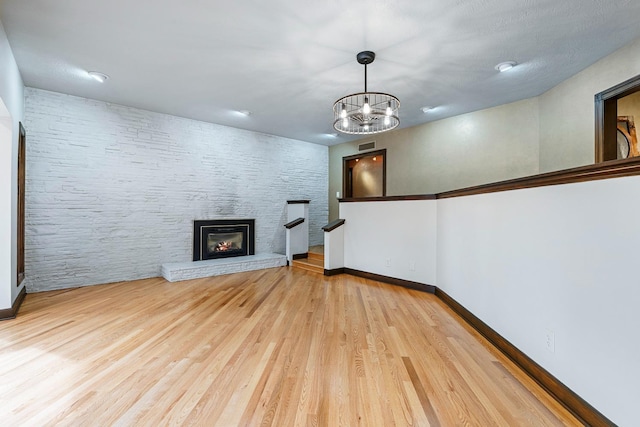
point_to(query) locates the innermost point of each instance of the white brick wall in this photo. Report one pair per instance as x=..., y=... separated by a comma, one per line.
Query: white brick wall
x=112, y=191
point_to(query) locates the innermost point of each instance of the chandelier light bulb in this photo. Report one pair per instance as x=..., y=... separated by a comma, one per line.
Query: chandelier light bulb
x=366, y=112
x=366, y=109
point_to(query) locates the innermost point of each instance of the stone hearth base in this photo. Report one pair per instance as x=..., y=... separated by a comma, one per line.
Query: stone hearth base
x=177, y=271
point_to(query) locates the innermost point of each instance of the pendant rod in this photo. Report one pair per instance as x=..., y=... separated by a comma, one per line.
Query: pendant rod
x=365, y=77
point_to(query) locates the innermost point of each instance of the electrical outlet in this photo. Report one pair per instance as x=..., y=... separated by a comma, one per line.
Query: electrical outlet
x=388, y=262
x=550, y=340
x=412, y=266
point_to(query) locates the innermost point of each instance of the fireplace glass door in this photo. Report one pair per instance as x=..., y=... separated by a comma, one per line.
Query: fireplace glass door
x=223, y=238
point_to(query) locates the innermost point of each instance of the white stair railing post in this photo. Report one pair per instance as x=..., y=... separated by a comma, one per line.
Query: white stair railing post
x=334, y=247
x=297, y=229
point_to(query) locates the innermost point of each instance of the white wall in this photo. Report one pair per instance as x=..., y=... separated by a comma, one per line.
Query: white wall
x=560, y=259
x=297, y=238
x=334, y=249
x=112, y=190
x=11, y=113
x=394, y=239
x=6, y=207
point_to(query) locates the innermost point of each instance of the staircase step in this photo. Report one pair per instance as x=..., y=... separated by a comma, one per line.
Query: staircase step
x=310, y=264
x=315, y=255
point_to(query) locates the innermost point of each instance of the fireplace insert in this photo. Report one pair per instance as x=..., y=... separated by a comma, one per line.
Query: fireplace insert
x=223, y=238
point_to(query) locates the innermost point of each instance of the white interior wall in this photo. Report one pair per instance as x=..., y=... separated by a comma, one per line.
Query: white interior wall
x=556, y=259
x=11, y=113
x=394, y=239
x=6, y=207
x=334, y=249
x=113, y=190
x=298, y=236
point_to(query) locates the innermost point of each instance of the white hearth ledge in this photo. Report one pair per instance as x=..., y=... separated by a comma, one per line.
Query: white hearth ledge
x=177, y=271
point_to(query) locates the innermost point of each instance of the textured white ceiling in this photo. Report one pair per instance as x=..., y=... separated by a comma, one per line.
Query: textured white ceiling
x=287, y=61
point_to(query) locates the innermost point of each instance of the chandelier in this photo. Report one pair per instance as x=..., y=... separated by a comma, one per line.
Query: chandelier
x=366, y=112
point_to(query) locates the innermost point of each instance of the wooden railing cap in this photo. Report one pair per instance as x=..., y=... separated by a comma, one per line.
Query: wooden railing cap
x=294, y=223
x=333, y=225
x=604, y=170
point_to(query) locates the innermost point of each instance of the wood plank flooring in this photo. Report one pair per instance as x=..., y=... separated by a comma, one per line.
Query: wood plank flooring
x=279, y=347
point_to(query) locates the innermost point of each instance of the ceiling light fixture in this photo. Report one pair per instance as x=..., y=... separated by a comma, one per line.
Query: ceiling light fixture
x=366, y=112
x=426, y=109
x=98, y=76
x=245, y=113
x=506, y=66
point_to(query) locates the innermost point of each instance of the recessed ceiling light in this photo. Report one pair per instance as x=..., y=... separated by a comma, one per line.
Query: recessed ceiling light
x=506, y=66
x=98, y=76
x=426, y=109
x=245, y=112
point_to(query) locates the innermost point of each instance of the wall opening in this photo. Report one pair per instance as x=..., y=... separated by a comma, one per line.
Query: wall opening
x=365, y=175
x=617, y=110
x=22, y=164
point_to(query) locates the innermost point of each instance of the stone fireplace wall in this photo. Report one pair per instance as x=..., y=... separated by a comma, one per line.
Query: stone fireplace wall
x=112, y=191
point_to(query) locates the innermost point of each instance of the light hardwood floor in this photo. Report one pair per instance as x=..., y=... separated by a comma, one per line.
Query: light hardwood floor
x=277, y=347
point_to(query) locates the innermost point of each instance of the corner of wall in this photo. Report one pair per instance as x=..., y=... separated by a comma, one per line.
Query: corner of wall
x=12, y=96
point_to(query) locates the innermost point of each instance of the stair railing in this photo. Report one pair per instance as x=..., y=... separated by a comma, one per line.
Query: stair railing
x=297, y=240
x=334, y=247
